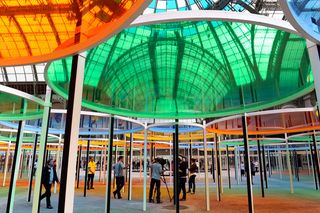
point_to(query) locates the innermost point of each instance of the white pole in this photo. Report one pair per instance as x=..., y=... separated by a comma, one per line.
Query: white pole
x=58, y=163
x=6, y=162
x=206, y=166
x=216, y=167
x=145, y=169
x=41, y=153
x=236, y=164
x=308, y=162
x=288, y=162
x=130, y=168
x=280, y=163
x=220, y=161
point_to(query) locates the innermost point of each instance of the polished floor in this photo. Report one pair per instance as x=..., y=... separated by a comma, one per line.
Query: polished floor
x=277, y=197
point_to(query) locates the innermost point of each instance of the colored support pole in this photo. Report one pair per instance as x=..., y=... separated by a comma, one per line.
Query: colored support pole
x=288, y=162
x=108, y=178
x=316, y=157
x=32, y=166
x=247, y=164
x=69, y=159
x=236, y=164
x=130, y=167
x=41, y=152
x=145, y=162
x=264, y=166
x=15, y=165
x=86, y=174
x=313, y=168
x=206, y=166
x=79, y=165
x=6, y=162
x=212, y=167
x=269, y=162
x=228, y=164
x=260, y=168
x=217, y=168
x=176, y=165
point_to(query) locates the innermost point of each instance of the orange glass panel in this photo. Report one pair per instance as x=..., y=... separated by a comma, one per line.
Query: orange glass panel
x=33, y=31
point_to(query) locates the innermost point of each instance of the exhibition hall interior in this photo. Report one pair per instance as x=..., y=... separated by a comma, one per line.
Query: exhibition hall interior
x=159, y=106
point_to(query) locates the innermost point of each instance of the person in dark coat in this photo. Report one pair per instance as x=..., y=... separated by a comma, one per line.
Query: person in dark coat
x=49, y=176
x=183, y=166
x=192, y=176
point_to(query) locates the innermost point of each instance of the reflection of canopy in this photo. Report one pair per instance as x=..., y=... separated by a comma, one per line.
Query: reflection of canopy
x=271, y=122
x=34, y=31
x=191, y=69
x=304, y=16
x=16, y=105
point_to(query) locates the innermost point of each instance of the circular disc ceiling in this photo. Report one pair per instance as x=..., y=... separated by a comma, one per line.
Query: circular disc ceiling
x=38, y=31
x=191, y=69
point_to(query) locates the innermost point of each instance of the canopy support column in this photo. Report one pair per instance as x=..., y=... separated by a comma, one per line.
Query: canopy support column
x=260, y=168
x=130, y=167
x=34, y=151
x=145, y=155
x=206, y=166
x=108, y=180
x=68, y=169
x=41, y=152
x=288, y=162
x=247, y=164
x=15, y=165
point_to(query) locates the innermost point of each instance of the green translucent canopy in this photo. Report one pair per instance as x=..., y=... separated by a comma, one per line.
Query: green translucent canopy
x=190, y=69
x=14, y=107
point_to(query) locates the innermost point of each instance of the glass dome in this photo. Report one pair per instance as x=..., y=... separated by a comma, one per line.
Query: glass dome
x=191, y=69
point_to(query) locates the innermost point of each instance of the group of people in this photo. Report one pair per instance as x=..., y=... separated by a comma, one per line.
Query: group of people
x=157, y=172
x=49, y=177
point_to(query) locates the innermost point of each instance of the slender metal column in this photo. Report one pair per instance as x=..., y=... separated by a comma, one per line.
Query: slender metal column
x=220, y=167
x=145, y=155
x=15, y=166
x=247, y=164
x=217, y=168
x=260, y=168
x=86, y=174
x=108, y=179
x=176, y=165
x=228, y=164
x=316, y=157
x=206, y=166
x=68, y=169
x=264, y=166
x=308, y=161
x=288, y=162
x=79, y=165
x=212, y=163
x=32, y=166
x=313, y=167
x=58, y=160
x=6, y=161
x=280, y=163
x=130, y=167
x=269, y=162
x=236, y=164
x=41, y=151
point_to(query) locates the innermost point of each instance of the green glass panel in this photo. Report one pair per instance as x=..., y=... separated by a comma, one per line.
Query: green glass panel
x=11, y=108
x=190, y=70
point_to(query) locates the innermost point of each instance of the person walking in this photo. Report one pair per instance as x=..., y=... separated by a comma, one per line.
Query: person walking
x=193, y=170
x=49, y=176
x=242, y=170
x=118, y=170
x=91, y=171
x=183, y=166
x=156, y=171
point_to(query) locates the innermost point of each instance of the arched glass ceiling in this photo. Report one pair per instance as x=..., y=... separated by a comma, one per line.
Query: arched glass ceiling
x=37, y=30
x=158, y=6
x=304, y=15
x=191, y=69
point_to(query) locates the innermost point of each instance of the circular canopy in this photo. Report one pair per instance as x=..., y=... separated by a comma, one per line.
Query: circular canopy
x=191, y=69
x=37, y=31
x=16, y=105
x=304, y=16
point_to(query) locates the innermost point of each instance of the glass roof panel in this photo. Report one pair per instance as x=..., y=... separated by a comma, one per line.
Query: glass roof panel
x=191, y=69
x=37, y=30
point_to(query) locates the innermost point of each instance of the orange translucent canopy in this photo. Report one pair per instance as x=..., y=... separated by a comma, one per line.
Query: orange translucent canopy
x=33, y=31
